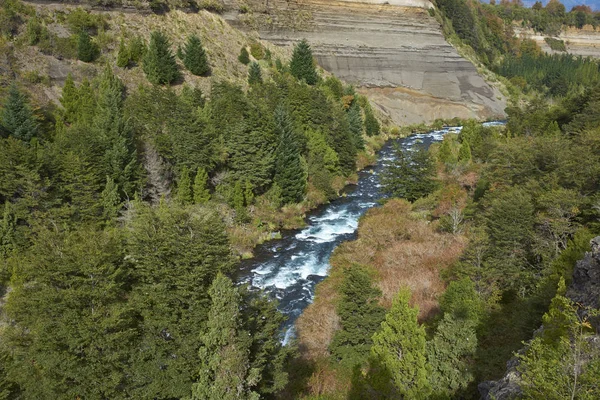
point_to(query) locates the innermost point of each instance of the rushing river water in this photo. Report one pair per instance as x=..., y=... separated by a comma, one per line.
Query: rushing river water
x=290, y=268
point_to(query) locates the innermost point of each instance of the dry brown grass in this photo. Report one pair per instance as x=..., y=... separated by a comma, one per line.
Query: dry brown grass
x=403, y=249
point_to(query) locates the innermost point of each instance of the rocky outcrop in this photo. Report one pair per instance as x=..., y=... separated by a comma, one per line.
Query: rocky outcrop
x=580, y=42
x=584, y=290
x=393, y=51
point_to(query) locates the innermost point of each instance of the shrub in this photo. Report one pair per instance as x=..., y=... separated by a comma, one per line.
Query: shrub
x=244, y=57
x=257, y=50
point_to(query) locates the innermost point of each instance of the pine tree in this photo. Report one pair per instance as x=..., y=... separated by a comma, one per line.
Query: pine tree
x=302, y=65
x=464, y=154
x=17, y=118
x=445, y=153
x=111, y=200
x=398, y=352
x=184, y=187
x=244, y=57
x=123, y=57
x=174, y=255
x=87, y=51
x=360, y=317
x=289, y=174
x=372, y=126
x=248, y=193
x=356, y=125
x=8, y=226
x=254, y=74
x=70, y=99
x=201, y=193
x=194, y=57
x=159, y=63
x=410, y=176
x=225, y=372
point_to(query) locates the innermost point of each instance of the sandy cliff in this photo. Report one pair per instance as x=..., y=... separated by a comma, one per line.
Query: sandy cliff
x=393, y=51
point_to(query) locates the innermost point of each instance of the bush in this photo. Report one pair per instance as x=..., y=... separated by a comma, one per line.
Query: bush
x=211, y=5
x=244, y=57
x=556, y=44
x=257, y=50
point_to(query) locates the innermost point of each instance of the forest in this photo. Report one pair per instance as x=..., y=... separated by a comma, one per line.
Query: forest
x=128, y=204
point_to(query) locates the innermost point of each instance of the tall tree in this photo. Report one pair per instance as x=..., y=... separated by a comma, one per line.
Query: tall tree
x=87, y=51
x=289, y=173
x=175, y=254
x=194, y=57
x=356, y=125
x=302, y=65
x=225, y=372
x=17, y=118
x=184, y=187
x=254, y=74
x=410, y=175
x=372, y=126
x=399, y=367
x=201, y=193
x=360, y=317
x=123, y=57
x=159, y=62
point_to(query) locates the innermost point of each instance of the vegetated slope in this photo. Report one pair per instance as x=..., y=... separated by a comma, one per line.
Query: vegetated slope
x=395, y=52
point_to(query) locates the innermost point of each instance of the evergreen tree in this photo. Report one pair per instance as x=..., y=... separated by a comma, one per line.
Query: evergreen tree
x=69, y=313
x=410, y=175
x=464, y=154
x=254, y=74
x=69, y=98
x=194, y=57
x=398, y=353
x=123, y=57
x=372, y=126
x=159, y=63
x=356, y=125
x=302, y=65
x=445, y=153
x=8, y=226
x=244, y=57
x=201, y=193
x=248, y=193
x=17, y=118
x=225, y=372
x=184, y=187
x=87, y=51
x=111, y=200
x=360, y=317
x=289, y=174
x=174, y=256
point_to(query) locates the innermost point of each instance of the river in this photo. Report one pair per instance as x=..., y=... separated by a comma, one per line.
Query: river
x=290, y=268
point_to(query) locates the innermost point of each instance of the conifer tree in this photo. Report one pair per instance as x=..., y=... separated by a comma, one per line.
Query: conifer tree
x=225, y=372
x=123, y=57
x=87, y=51
x=289, y=174
x=184, y=187
x=248, y=193
x=356, y=125
x=372, y=126
x=360, y=317
x=464, y=154
x=244, y=57
x=302, y=65
x=159, y=62
x=398, y=353
x=410, y=176
x=445, y=154
x=201, y=193
x=194, y=57
x=111, y=200
x=17, y=118
x=7, y=231
x=70, y=99
x=254, y=74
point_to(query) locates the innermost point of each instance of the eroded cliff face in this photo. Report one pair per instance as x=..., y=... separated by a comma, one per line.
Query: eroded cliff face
x=394, y=52
x=581, y=42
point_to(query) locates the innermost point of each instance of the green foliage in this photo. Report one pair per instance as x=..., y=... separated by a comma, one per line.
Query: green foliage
x=254, y=74
x=111, y=200
x=356, y=125
x=87, y=51
x=464, y=154
x=194, y=57
x=555, y=44
x=302, y=65
x=17, y=117
x=201, y=193
x=289, y=174
x=372, y=127
x=399, y=365
x=446, y=154
x=410, y=176
x=244, y=57
x=123, y=56
x=159, y=63
x=184, y=187
x=360, y=317
x=257, y=50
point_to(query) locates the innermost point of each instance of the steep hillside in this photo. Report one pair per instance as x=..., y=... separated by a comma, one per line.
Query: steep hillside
x=580, y=42
x=394, y=51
